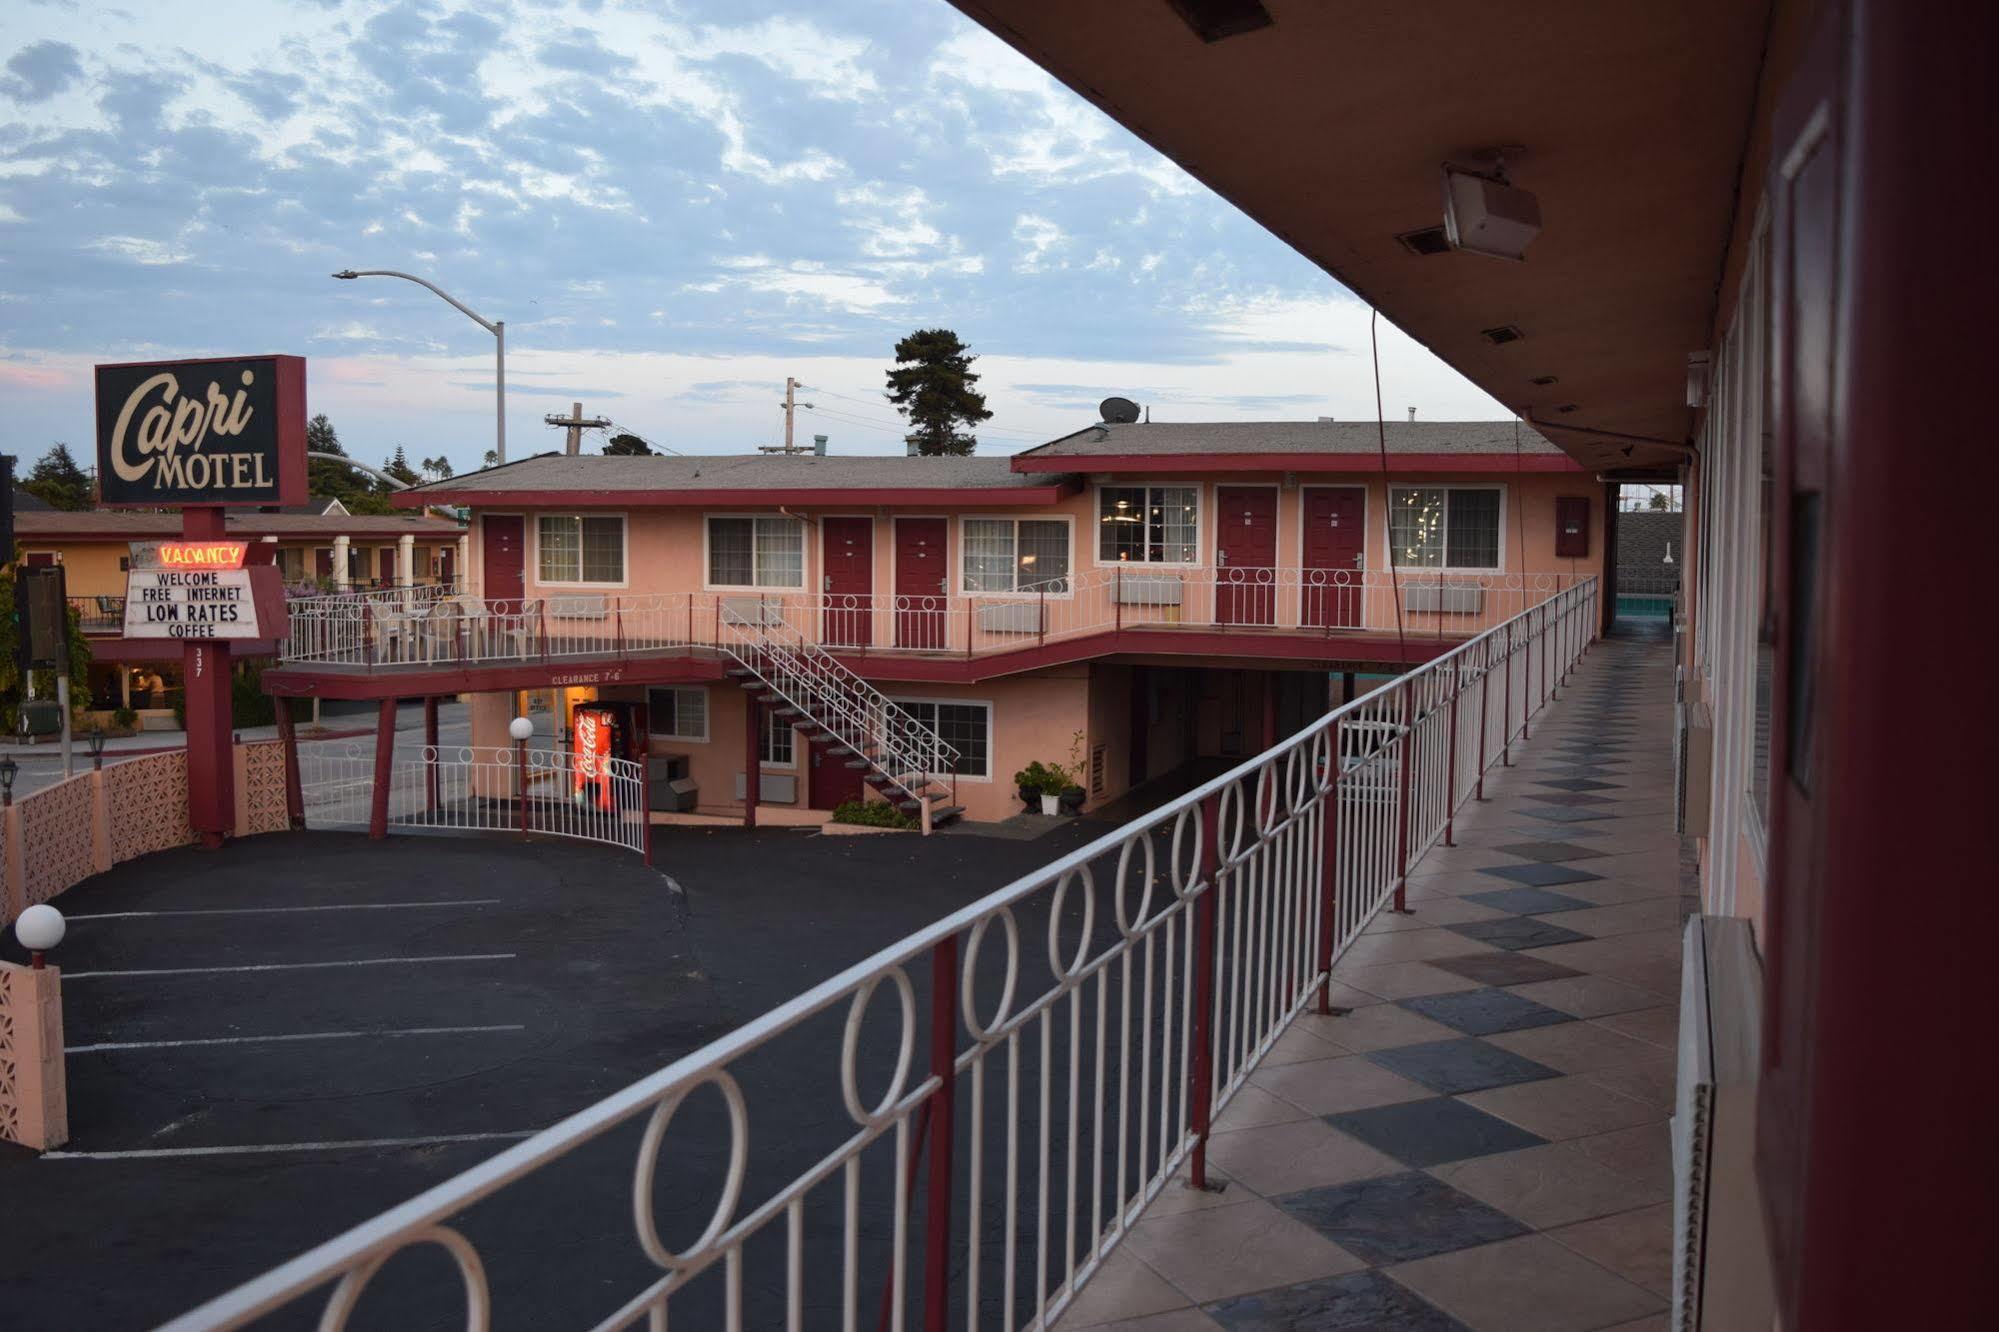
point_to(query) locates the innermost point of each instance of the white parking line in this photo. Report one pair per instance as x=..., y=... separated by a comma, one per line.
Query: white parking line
x=277, y=911
x=296, y=1036
x=292, y=966
x=353, y=1144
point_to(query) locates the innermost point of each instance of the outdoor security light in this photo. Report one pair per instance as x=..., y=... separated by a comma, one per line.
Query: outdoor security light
x=8, y=771
x=520, y=728
x=347, y=275
x=40, y=928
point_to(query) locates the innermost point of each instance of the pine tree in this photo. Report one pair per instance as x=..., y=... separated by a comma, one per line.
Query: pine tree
x=932, y=387
x=399, y=467
x=58, y=481
x=627, y=446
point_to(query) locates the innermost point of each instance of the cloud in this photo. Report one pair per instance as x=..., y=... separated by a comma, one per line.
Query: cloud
x=40, y=70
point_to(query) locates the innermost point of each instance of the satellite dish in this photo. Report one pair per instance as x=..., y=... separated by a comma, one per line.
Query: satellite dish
x=1118, y=411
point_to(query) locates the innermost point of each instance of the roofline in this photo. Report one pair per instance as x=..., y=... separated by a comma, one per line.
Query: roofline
x=442, y=528
x=1405, y=463
x=755, y=497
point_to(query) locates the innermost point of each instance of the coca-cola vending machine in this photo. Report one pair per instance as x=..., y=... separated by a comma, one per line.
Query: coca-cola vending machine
x=597, y=736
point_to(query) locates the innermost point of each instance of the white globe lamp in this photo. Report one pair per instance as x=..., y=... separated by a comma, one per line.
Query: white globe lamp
x=520, y=728
x=40, y=928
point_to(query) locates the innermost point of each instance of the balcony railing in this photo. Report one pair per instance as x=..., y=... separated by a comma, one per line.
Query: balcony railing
x=430, y=626
x=976, y=1163
x=99, y=615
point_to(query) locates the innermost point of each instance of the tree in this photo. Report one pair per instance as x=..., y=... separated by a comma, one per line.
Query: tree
x=399, y=467
x=627, y=446
x=331, y=479
x=492, y=458
x=1660, y=502
x=58, y=481
x=436, y=469
x=932, y=387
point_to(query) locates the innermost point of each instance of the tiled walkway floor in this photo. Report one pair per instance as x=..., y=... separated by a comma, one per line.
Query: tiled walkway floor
x=1481, y=1143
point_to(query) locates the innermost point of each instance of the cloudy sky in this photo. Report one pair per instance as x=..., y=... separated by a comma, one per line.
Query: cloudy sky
x=672, y=205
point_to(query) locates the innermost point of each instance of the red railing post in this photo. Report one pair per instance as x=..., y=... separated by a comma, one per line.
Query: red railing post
x=294, y=787
x=1329, y=879
x=1484, y=694
x=541, y=619
x=1404, y=761
x=385, y=757
x=521, y=784
x=942, y=1106
x=430, y=753
x=618, y=609
x=1201, y=1057
x=368, y=632
x=1117, y=598
x=1451, y=759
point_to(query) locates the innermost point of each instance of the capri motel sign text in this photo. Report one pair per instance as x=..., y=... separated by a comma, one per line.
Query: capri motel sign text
x=203, y=436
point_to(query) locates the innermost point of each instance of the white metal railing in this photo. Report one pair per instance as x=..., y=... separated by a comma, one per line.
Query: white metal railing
x=420, y=626
x=1032, y=1100
x=807, y=677
x=556, y=793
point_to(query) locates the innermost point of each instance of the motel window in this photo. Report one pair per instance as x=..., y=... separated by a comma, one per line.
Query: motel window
x=291, y=564
x=580, y=548
x=966, y=727
x=756, y=552
x=677, y=714
x=1016, y=555
x=1148, y=524
x=1444, y=527
x=777, y=748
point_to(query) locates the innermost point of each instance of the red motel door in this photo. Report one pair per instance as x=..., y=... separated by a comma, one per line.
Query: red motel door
x=921, y=582
x=504, y=550
x=1335, y=555
x=848, y=552
x=386, y=562
x=1246, y=555
x=831, y=782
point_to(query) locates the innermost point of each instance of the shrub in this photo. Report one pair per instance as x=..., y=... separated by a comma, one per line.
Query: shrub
x=874, y=814
x=125, y=719
x=1047, y=778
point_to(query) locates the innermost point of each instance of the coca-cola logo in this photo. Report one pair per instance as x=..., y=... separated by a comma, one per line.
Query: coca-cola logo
x=201, y=432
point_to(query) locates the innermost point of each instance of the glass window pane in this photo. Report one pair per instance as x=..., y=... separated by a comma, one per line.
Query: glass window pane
x=964, y=727
x=603, y=540
x=989, y=555
x=558, y=544
x=1044, y=555
x=1176, y=509
x=1472, y=532
x=777, y=736
x=1416, y=527
x=1121, y=523
x=730, y=541
x=780, y=553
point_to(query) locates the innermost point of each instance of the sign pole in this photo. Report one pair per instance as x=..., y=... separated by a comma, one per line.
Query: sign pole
x=205, y=676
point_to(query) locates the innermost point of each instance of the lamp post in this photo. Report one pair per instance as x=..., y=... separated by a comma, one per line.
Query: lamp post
x=520, y=728
x=95, y=739
x=498, y=328
x=8, y=771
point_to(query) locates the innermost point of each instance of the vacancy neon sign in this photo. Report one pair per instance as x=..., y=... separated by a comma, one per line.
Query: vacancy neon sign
x=199, y=554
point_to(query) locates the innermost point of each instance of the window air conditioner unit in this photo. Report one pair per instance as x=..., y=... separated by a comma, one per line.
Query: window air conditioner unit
x=1148, y=590
x=1444, y=600
x=752, y=610
x=1011, y=617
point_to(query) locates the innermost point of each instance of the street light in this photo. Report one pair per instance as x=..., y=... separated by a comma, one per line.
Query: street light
x=96, y=740
x=40, y=928
x=498, y=328
x=520, y=728
x=8, y=771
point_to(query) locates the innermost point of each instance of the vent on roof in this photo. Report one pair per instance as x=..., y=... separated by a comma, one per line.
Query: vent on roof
x=1430, y=240
x=1213, y=20
x=1542, y=381
x=1502, y=335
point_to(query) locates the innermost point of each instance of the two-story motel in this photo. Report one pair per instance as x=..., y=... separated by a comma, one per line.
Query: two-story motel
x=1122, y=601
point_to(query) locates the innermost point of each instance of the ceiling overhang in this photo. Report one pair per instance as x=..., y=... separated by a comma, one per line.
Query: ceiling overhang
x=1330, y=126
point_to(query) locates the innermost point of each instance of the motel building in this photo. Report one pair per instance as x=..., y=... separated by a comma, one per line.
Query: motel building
x=320, y=548
x=1130, y=602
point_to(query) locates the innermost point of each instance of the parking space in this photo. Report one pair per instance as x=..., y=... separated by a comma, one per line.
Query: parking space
x=274, y=1042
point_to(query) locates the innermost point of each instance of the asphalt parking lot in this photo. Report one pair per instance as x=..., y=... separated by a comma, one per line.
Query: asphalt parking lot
x=274, y=1042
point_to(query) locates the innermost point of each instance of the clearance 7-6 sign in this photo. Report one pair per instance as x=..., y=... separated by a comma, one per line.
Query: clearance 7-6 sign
x=201, y=432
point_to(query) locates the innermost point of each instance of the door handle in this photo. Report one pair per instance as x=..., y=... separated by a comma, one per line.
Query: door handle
x=825, y=582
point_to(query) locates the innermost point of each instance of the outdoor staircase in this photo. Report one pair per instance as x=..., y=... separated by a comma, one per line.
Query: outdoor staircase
x=899, y=757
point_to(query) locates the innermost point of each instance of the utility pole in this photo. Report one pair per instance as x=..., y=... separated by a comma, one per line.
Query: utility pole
x=791, y=405
x=577, y=423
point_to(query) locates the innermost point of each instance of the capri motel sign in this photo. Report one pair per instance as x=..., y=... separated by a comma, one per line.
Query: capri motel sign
x=203, y=436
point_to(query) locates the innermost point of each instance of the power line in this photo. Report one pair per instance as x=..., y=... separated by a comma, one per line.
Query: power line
x=875, y=406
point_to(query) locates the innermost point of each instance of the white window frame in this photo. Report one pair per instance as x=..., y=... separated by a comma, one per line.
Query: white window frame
x=805, y=572
x=534, y=549
x=1388, y=526
x=1203, y=505
x=992, y=738
x=707, y=722
x=1068, y=520
x=769, y=717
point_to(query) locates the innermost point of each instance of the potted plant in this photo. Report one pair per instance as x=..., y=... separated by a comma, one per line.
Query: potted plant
x=1043, y=781
x=1072, y=795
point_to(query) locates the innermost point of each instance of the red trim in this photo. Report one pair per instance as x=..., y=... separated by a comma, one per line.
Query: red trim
x=123, y=650
x=686, y=667
x=1427, y=464
x=816, y=497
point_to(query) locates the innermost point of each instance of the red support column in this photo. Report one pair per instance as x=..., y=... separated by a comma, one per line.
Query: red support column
x=430, y=753
x=385, y=755
x=1329, y=879
x=205, y=672
x=1451, y=759
x=752, y=757
x=294, y=788
x=1201, y=1057
x=942, y=1106
x=1484, y=694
